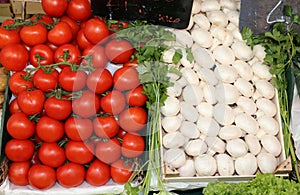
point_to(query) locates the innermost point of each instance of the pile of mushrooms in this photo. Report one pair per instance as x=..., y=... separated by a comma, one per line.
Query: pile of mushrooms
x=221, y=115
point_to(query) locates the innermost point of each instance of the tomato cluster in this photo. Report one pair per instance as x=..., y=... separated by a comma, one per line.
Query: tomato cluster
x=72, y=119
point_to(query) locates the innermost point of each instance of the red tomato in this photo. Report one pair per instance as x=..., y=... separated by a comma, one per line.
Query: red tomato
x=87, y=105
x=41, y=54
x=59, y=109
x=8, y=24
x=135, y=97
x=72, y=23
x=98, y=173
x=8, y=37
x=113, y=102
x=78, y=129
x=31, y=102
x=45, y=80
x=19, y=126
x=126, y=78
x=70, y=175
x=133, y=145
x=106, y=127
x=73, y=54
x=51, y=154
x=14, y=57
x=99, y=81
x=133, y=119
x=79, y=152
x=55, y=8
x=97, y=55
x=82, y=40
x=42, y=19
x=121, y=133
x=19, y=82
x=72, y=80
x=95, y=30
x=79, y=10
x=34, y=35
x=121, y=171
x=119, y=25
x=18, y=173
x=49, y=129
x=41, y=176
x=19, y=150
x=14, y=107
x=118, y=51
x=60, y=34
x=133, y=63
x=108, y=151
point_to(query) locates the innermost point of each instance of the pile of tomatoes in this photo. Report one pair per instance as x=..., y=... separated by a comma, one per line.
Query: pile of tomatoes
x=72, y=119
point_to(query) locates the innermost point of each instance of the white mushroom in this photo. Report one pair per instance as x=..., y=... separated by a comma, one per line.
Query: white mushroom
x=202, y=21
x=209, y=92
x=183, y=37
x=267, y=162
x=265, y=88
x=187, y=169
x=207, y=75
x=226, y=73
x=205, y=165
x=210, y=5
x=233, y=17
x=224, y=55
x=259, y=52
x=253, y=144
x=236, y=147
x=223, y=114
x=241, y=50
x=202, y=37
x=244, y=87
x=225, y=164
x=268, y=124
x=171, y=106
x=189, y=112
x=247, y=105
x=229, y=4
x=174, y=157
x=215, y=144
x=205, y=109
x=246, y=165
x=217, y=17
x=271, y=144
x=175, y=90
x=229, y=132
x=244, y=69
x=226, y=93
x=192, y=94
x=267, y=106
x=196, y=8
x=173, y=140
x=190, y=75
x=262, y=71
x=195, y=147
x=247, y=123
x=208, y=126
x=171, y=123
x=189, y=130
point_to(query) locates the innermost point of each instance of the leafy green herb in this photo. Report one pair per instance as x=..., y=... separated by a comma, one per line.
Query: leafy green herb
x=262, y=184
x=282, y=46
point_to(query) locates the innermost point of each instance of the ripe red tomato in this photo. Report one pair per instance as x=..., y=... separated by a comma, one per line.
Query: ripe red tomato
x=136, y=97
x=133, y=119
x=132, y=63
x=49, y=129
x=34, y=35
x=19, y=150
x=118, y=51
x=108, y=151
x=42, y=19
x=121, y=171
x=72, y=80
x=79, y=152
x=18, y=173
x=126, y=78
x=60, y=34
x=105, y=127
x=72, y=23
x=59, y=109
x=97, y=54
x=113, y=102
x=14, y=57
x=121, y=133
x=19, y=82
x=51, y=154
x=119, y=25
x=41, y=176
x=8, y=37
x=133, y=145
x=31, y=102
x=74, y=54
x=82, y=40
x=78, y=129
x=19, y=126
x=70, y=175
x=87, y=105
x=95, y=30
x=41, y=54
x=79, y=10
x=14, y=107
x=99, y=81
x=45, y=80
x=55, y=8
x=98, y=173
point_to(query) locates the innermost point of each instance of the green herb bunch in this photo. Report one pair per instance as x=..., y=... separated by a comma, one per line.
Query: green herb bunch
x=282, y=47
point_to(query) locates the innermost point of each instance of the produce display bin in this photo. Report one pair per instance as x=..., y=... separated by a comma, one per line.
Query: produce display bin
x=22, y=8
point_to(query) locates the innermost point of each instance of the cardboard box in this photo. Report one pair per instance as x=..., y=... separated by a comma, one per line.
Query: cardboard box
x=21, y=8
x=5, y=10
